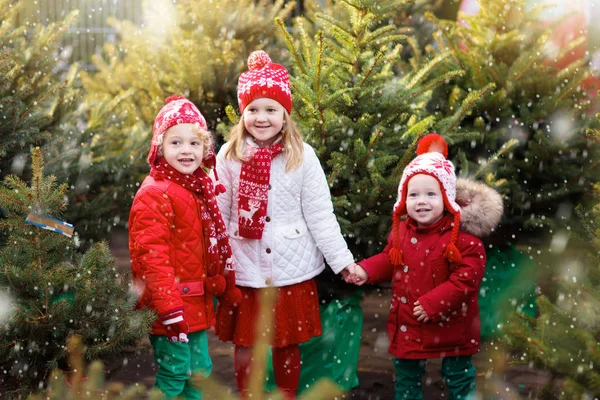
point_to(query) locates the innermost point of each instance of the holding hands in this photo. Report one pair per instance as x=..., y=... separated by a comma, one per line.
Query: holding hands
x=356, y=274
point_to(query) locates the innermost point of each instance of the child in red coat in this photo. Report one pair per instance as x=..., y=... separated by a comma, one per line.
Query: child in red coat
x=180, y=253
x=436, y=262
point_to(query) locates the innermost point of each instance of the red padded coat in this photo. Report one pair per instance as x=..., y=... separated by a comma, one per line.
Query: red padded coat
x=167, y=250
x=448, y=293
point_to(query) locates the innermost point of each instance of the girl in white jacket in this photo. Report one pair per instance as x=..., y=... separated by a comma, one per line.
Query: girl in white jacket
x=280, y=219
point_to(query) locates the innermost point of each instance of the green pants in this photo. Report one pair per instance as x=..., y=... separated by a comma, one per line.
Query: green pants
x=458, y=373
x=177, y=361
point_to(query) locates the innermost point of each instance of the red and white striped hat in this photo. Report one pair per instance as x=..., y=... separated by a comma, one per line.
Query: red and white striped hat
x=431, y=160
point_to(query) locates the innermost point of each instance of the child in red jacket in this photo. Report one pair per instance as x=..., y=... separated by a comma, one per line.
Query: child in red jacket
x=436, y=262
x=179, y=247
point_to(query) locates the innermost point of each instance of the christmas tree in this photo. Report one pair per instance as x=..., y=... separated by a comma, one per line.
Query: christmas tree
x=361, y=115
x=563, y=339
x=546, y=110
x=37, y=102
x=363, y=108
x=50, y=291
x=180, y=49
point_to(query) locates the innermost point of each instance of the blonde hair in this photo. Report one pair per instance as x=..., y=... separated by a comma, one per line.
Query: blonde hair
x=208, y=141
x=293, y=146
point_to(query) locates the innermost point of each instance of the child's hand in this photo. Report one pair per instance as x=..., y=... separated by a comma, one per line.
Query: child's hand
x=420, y=313
x=355, y=274
x=347, y=271
x=177, y=329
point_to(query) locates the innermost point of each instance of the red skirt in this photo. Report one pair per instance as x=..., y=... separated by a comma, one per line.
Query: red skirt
x=296, y=318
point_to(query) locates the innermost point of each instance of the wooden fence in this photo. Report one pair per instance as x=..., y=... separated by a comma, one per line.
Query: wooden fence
x=89, y=32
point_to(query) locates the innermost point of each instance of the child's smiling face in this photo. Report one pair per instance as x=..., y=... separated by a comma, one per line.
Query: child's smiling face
x=263, y=119
x=424, y=200
x=182, y=148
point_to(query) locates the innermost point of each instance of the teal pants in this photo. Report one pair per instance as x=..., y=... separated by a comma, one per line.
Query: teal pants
x=458, y=373
x=177, y=361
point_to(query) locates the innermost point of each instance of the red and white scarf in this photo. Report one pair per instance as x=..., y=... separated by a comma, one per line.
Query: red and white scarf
x=213, y=227
x=253, y=192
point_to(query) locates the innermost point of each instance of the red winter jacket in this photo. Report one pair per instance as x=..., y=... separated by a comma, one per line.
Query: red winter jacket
x=448, y=293
x=167, y=249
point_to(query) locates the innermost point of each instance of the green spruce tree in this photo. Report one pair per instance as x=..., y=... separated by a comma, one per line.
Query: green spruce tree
x=563, y=339
x=362, y=116
x=37, y=101
x=544, y=109
x=50, y=291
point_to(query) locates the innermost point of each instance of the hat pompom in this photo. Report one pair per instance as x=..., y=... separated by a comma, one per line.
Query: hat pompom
x=258, y=59
x=432, y=143
x=173, y=98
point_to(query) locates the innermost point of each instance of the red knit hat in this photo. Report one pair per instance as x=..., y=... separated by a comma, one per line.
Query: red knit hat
x=431, y=160
x=177, y=111
x=264, y=79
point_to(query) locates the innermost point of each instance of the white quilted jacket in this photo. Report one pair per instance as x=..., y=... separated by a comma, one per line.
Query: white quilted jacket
x=300, y=227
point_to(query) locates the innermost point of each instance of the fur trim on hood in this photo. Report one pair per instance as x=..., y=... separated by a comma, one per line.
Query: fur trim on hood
x=481, y=207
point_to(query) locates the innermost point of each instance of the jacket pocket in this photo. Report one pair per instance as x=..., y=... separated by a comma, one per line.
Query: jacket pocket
x=192, y=288
x=445, y=334
x=392, y=322
x=294, y=230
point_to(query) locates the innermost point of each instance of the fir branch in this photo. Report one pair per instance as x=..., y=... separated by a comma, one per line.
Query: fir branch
x=330, y=20
x=36, y=103
x=290, y=44
x=10, y=200
x=430, y=16
x=337, y=94
x=416, y=51
x=407, y=155
x=505, y=147
x=332, y=176
x=377, y=35
x=318, y=61
x=377, y=58
x=372, y=142
x=420, y=127
x=38, y=167
x=479, y=77
x=571, y=46
x=466, y=106
x=435, y=82
x=351, y=5
x=534, y=56
x=231, y=114
x=424, y=70
x=571, y=87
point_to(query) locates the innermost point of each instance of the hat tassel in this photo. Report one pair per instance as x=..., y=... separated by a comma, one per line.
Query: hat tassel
x=395, y=255
x=452, y=253
x=219, y=188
